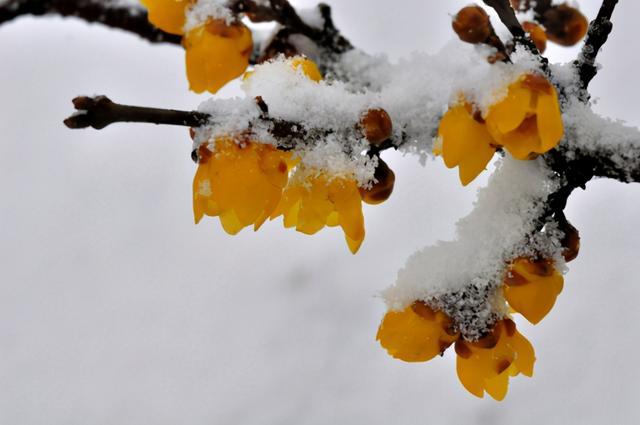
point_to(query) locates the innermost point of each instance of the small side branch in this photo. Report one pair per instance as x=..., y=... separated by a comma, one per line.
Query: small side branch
x=508, y=17
x=99, y=112
x=128, y=18
x=598, y=34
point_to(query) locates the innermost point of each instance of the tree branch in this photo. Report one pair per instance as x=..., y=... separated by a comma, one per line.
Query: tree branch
x=599, y=31
x=99, y=112
x=508, y=17
x=128, y=18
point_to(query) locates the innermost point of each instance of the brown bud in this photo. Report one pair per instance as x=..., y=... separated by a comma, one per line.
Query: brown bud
x=472, y=25
x=565, y=25
x=521, y=5
x=570, y=242
x=382, y=189
x=376, y=126
x=537, y=34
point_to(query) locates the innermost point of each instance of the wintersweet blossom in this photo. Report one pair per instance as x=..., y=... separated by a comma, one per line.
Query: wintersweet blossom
x=216, y=51
x=168, y=15
x=313, y=200
x=487, y=364
x=240, y=182
x=531, y=287
x=527, y=122
x=417, y=333
x=216, y=54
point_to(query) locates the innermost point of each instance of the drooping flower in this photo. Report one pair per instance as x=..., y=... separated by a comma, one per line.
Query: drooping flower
x=241, y=183
x=487, y=364
x=417, y=333
x=313, y=200
x=216, y=54
x=168, y=15
x=216, y=51
x=527, y=122
x=531, y=287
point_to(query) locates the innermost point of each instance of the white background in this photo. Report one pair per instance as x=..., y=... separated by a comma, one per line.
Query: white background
x=115, y=309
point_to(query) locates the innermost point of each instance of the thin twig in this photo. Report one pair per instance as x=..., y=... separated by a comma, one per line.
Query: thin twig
x=128, y=18
x=99, y=112
x=599, y=31
x=508, y=17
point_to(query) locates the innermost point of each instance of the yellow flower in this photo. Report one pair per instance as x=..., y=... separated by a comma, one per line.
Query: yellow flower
x=531, y=288
x=465, y=142
x=317, y=200
x=487, y=364
x=526, y=122
x=308, y=68
x=416, y=334
x=240, y=183
x=168, y=15
x=216, y=54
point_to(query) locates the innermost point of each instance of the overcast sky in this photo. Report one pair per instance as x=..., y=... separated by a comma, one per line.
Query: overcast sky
x=115, y=309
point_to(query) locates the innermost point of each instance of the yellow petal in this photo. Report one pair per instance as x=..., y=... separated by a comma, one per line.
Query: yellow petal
x=508, y=114
x=531, y=289
x=550, y=125
x=230, y=222
x=215, y=57
x=497, y=387
x=523, y=141
x=409, y=337
x=461, y=134
x=308, y=68
x=354, y=244
x=474, y=162
x=470, y=376
x=525, y=355
x=168, y=15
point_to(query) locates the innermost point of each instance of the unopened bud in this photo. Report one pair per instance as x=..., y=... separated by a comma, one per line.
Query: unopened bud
x=521, y=5
x=382, y=189
x=537, y=34
x=376, y=126
x=565, y=25
x=570, y=242
x=472, y=25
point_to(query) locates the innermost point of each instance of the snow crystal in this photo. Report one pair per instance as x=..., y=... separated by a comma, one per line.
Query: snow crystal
x=204, y=10
x=587, y=132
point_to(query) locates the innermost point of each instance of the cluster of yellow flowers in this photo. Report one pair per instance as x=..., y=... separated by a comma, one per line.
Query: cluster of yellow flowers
x=216, y=52
x=419, y=333
x=527, y=122
x=244, y=182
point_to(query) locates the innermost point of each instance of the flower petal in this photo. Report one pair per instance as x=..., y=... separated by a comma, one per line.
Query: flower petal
x=550, y=125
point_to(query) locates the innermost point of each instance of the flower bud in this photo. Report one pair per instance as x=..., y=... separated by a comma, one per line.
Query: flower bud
x=570, y=242
x=376, y=126
x=382, y=189
x=565, y=25
x=521, y=5
x=537, y=34
x=472, y=25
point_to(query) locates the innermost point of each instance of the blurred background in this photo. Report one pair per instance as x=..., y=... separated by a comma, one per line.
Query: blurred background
x=115, y=309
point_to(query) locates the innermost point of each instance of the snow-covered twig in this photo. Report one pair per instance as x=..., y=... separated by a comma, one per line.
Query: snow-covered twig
x=598, y=34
